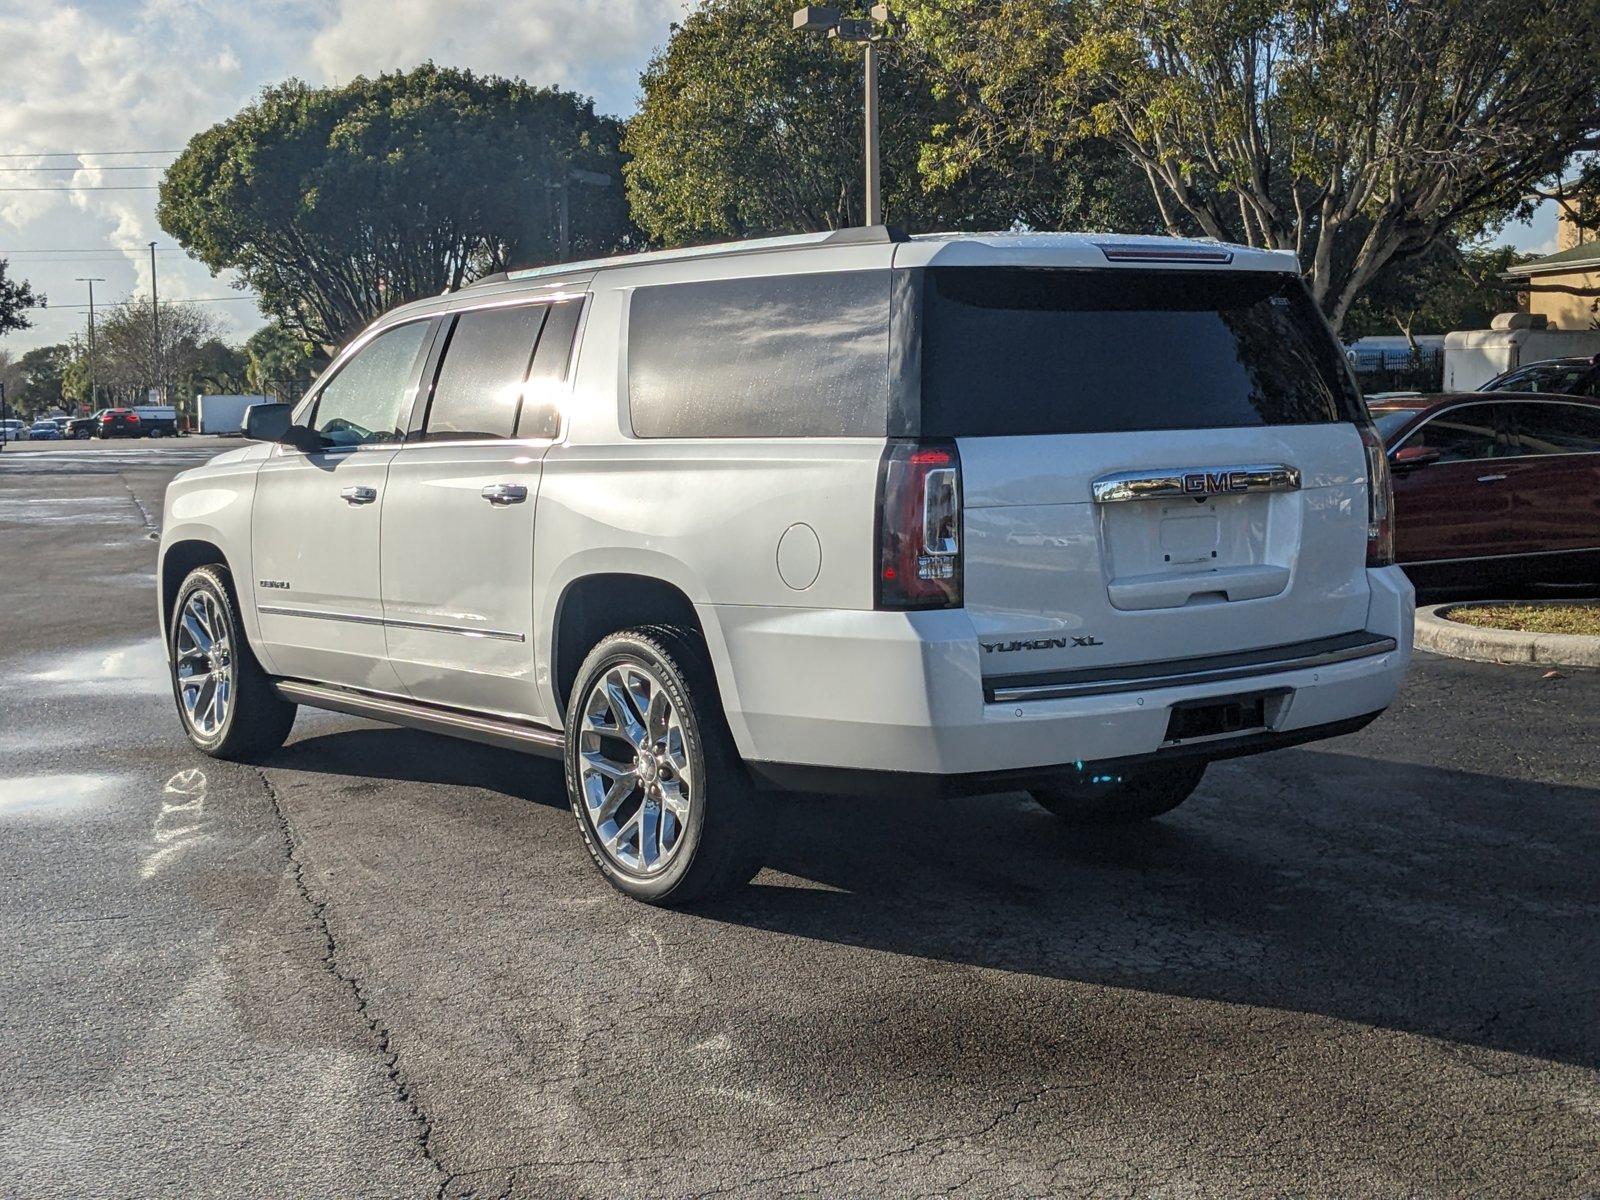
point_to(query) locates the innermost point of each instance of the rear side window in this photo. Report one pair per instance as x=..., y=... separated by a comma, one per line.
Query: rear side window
x=478, y=392
x=783, y=356
x=541, y=398
x=1557, y=428
x=1010, y=351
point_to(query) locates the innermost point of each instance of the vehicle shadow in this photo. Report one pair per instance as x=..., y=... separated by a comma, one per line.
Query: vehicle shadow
x=1456, y=905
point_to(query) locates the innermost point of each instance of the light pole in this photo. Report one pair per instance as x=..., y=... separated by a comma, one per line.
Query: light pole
x=869, y=31
x=91, y=280
x=155, y=327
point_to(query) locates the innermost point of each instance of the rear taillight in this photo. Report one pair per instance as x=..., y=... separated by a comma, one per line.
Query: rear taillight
x=133, y=418
x=1380, y=500
x=919, y=526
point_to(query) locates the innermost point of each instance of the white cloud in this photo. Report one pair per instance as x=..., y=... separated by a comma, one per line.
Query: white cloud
x=591, y=47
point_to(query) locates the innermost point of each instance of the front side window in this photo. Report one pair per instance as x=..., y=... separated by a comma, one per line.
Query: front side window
x=1010, y=351
x=1463, y=435
x=368, y=401
x=776, y=356
x=1557, y=428
x=1562, y=380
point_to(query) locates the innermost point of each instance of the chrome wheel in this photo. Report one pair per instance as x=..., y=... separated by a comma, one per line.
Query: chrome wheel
x=634, y=768
x=204, y=663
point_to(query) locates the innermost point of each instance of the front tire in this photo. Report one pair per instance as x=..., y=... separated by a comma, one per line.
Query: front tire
x=659, y=793
x=1090, y=797
x=227, y=704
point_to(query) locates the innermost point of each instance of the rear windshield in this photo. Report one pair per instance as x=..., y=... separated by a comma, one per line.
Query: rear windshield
x=1009, y=351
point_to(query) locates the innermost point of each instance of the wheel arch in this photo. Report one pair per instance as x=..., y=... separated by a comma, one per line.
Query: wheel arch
x=177, y=560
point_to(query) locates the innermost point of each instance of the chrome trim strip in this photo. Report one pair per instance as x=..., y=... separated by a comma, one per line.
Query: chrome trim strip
x=272, y=610
x=1468, y=558
x=1173, y=482
x=1102, y=687
x=476, y=727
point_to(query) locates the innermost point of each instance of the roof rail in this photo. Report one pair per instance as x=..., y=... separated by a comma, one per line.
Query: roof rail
x=866, y=235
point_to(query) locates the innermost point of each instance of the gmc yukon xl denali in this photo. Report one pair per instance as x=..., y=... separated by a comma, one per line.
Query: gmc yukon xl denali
x=851, y=512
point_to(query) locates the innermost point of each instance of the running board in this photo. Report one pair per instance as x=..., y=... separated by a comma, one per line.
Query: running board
x=476, y=727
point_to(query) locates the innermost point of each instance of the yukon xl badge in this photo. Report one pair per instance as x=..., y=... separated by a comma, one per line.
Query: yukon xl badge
x=1052, y=643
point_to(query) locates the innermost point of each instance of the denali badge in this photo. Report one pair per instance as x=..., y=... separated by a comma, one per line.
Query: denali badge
x=1197, y=482
x=1052, y=643
x=279, y=584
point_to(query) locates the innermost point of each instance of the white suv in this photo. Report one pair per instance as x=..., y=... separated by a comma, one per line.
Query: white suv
x=1068, y=514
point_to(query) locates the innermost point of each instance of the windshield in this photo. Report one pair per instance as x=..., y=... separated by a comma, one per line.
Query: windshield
x=1009, y=351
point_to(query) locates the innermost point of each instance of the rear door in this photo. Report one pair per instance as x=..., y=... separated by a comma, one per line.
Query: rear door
x=1459, y=507
x=1556, y=501
x=458, y=515
x=1157, y=464
x=314, y=524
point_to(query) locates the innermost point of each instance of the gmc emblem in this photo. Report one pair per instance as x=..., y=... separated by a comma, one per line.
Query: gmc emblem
x=1214, y=483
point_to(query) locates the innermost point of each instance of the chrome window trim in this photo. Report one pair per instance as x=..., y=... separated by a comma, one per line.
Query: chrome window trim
x=274, y=610
x=1512, y=398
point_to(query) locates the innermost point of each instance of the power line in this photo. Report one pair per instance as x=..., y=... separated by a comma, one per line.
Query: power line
x=92, y=167
x=82, y=153
x=196, y=300
x=147, y=187
x=90, y=250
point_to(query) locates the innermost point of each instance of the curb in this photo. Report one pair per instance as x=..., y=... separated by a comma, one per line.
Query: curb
x=1436, y=632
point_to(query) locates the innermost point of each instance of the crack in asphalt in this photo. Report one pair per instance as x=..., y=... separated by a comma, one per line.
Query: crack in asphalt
x=330, y=961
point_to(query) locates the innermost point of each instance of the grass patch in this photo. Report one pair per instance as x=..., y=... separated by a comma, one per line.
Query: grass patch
x=1533, y=618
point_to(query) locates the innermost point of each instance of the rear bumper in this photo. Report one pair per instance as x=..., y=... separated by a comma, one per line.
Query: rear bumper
x=903, y=694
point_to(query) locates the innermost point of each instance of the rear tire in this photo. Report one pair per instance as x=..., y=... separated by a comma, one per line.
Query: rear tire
x=660, y=796
x=226, y=703
x=1137, y=794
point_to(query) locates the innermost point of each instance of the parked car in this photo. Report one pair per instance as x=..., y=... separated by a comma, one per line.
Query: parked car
x=1495, y=488
x=84, y=427
x=119, y=422
x=13, y=430
x=831, y=512
x=1563, y=376
x=44, y=431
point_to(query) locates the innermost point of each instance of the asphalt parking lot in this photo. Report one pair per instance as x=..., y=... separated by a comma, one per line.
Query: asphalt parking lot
x=382, y=965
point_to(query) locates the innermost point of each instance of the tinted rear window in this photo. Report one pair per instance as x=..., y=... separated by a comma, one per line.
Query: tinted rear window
x=479, y=389
x=784, y=356
x=1026, y=351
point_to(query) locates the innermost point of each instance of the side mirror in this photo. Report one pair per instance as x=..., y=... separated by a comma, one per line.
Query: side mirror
x=266, y=422
x=1411, y=457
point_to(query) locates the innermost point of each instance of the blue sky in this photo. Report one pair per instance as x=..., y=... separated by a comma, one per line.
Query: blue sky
x=145, y=75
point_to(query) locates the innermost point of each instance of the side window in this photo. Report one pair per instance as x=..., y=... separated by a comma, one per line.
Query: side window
x=1463, y=434
x=479, y=388
x=369, y=400
x=541, y=398
x=781, y=356
x=1557, y=428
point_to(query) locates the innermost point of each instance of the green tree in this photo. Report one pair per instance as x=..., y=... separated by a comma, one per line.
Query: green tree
x=336, y=204
x=213, y=366
x=127, y=360
x=35, y=378
x=280, y=363
x=1446, y=287
x=1353, y=132
x=16, y=297
x=746, y=127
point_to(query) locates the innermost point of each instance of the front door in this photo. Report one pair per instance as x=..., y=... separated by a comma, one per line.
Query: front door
x=315, y=523
x=458, y=517
x=1558, y=476
x=1458, y=506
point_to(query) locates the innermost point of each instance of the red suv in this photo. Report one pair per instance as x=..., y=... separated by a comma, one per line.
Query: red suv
x=1494, y=485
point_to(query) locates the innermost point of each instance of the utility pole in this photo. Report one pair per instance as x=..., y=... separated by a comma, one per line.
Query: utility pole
x=155, y=326
x=91, y=280
x=825, y=19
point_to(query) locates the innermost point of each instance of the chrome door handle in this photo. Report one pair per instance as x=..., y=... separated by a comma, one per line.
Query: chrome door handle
x=359, y=495
x=505, y=493
x=1490, y=478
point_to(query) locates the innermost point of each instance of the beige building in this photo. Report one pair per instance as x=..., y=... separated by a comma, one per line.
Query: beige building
x=1564, y=287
